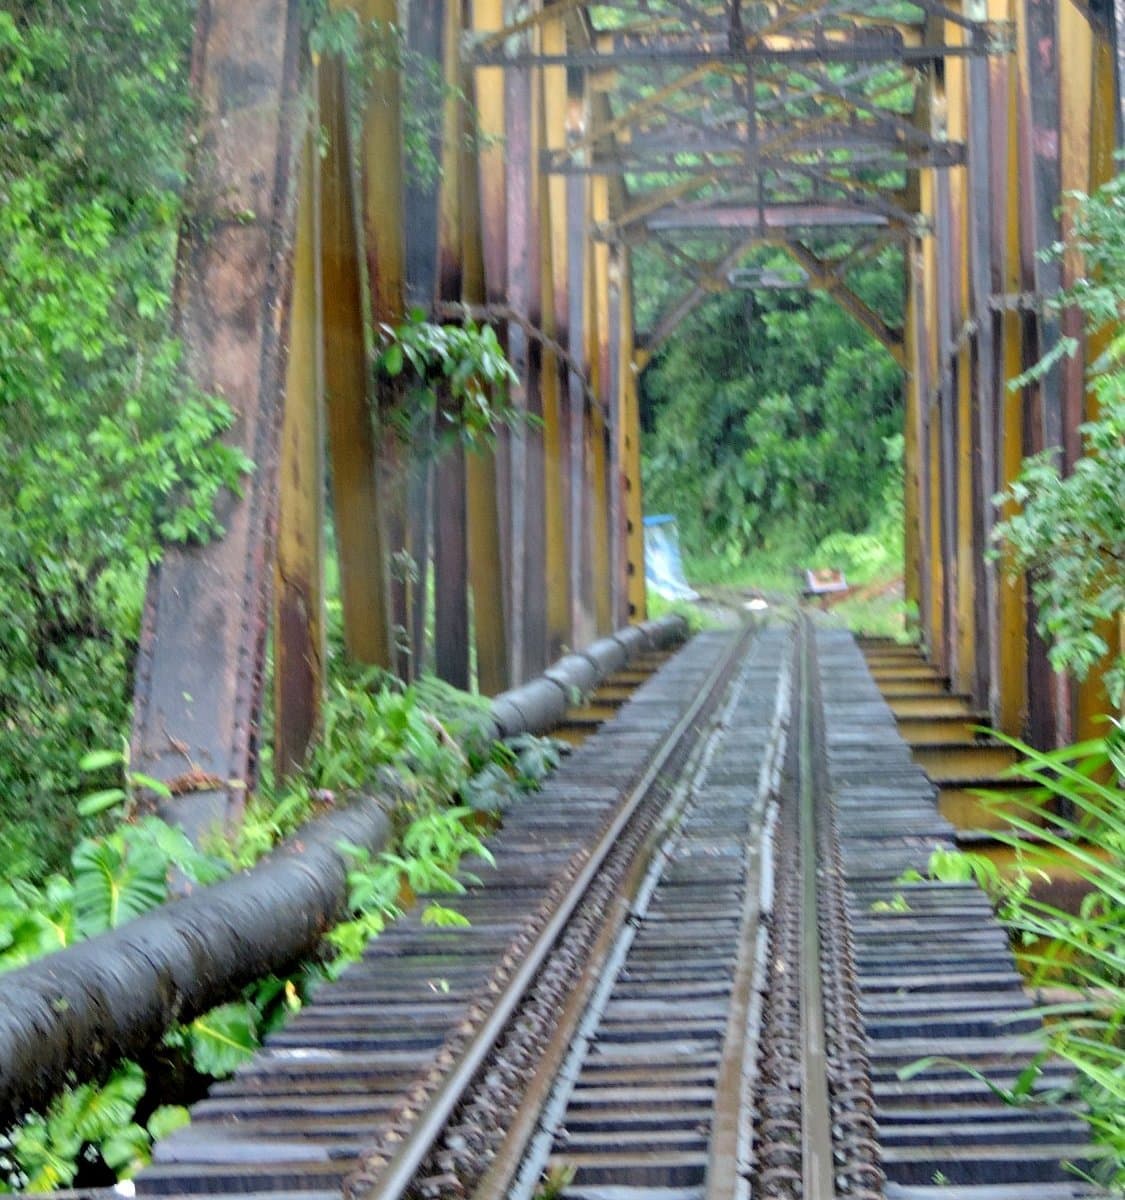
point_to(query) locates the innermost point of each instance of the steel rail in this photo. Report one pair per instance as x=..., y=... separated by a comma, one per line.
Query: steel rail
x=816, y=1107
x=728, y=1162
x=515, y=1171
x=400, y=1172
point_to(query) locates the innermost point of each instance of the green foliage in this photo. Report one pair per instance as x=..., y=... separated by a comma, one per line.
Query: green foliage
x=439, y=750
x=458, y=379
x=114, y=877
x=877, y=552
x=787, y=401
x=1083, y=786
x=1069, y=531
x=379, y=46
x=103, y=449
x=42, y=1153
x=223, y=1039
x=1085, y=949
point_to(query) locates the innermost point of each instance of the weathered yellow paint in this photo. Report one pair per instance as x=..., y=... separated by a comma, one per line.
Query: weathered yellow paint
x=549, y=201
x=597, y=465
x=364, y=585
x=913, y=400
x=1011, y=714
x=299, y=645
x=599, y=456
x=1076, y=67
x=384, y=246
x=962, y=669
x=630, y=455
x=935, y=581
x=382, y=178
x=486, y=568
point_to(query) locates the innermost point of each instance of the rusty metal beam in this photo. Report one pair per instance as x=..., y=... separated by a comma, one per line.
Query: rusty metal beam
x=670, y=321
x=1010, y=712
x=551, y=108
x=385, y=251
x=364, y=581
x=871, y=45
x=822, y=275
x=484, y=210
x=1040, y=194
x=201, y=655
x=298, y=598
x=451, y=561
x=640, y=163
x=764, y=220
x=528, y=598
x=578, y=319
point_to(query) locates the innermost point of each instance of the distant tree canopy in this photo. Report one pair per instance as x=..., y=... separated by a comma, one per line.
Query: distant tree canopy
x=766, y=417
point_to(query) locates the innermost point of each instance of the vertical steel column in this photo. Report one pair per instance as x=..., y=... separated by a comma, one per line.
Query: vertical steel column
x=579, y=255
x=1011, y=681
x=1041, y=187
x=945, y=434
x=551, y=190
x=484, y=212
x=964, y=666
x=1092, y=700
x=914, y=390
x=384, y=244
x=425, y=36
x=528, y=630
x=298, y=597
x=615, y=395
x=202, y=645
x=629, y=434
x=600, y=434
x=983, y=425
x=364, y=578
x=1076, y=64
x=914, y=467
x=451, y=562
x=929, y=427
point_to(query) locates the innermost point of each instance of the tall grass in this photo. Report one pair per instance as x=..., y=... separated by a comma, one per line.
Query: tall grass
x=1084, y=951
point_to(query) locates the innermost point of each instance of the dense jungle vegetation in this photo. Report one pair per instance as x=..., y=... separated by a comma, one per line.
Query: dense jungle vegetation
x=768, y=419
x=102, y=452
x=771, y=419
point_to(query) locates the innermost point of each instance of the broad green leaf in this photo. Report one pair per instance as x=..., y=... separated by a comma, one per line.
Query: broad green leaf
x=167, y=1119
x=441, y=917
x=115, y=881
x=223, y=1039
x=98, y=802
x=127, y=1150
x=96, y=760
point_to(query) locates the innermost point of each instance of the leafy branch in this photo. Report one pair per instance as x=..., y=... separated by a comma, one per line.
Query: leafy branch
x=458, y=376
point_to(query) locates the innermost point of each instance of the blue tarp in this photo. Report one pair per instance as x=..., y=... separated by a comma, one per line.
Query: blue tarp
x=664, y=567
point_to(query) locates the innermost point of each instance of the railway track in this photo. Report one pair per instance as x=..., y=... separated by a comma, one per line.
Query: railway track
x=679, y=983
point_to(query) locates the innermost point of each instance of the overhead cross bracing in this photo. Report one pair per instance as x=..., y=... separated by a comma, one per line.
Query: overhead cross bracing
x=731, y=125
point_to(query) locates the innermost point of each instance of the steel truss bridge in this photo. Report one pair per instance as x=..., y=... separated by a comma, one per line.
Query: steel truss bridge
x=688, y=130
x=710, y=890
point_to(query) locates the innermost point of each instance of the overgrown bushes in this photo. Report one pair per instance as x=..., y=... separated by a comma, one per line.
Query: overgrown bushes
x=766, y=419
x=102, y=452
x=447, y=771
